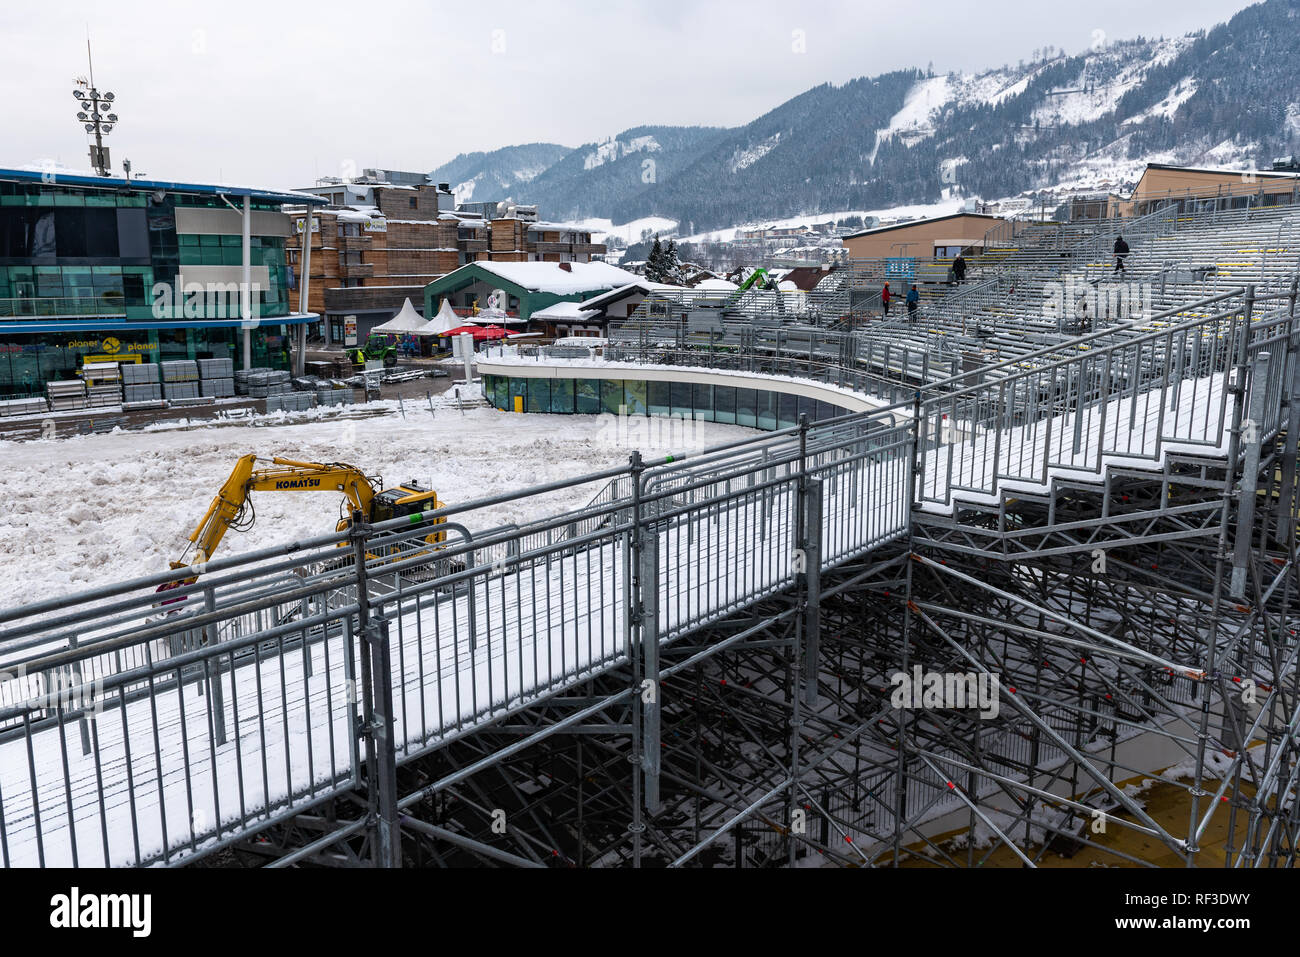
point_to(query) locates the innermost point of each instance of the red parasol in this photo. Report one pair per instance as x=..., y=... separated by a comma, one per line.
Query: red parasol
x=478, y=332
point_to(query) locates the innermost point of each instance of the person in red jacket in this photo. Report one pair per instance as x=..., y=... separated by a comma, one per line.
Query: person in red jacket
x=884, y=298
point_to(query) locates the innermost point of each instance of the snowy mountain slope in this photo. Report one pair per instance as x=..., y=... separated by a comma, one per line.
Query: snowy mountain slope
x=498, y=174
x=1225, y=95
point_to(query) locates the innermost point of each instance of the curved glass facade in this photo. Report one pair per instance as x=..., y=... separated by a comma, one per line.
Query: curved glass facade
x=755, y=408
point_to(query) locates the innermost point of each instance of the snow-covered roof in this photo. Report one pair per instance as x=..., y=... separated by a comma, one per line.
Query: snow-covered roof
x=57, y=174
x=643, y=286
x=720, y=284
x=359, y=214
x=406, y=320
x=549, y=277
x=569, y=311
x=564, y=227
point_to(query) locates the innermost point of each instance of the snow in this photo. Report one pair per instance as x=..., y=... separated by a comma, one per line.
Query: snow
x=1166, y=108
x=1104, y=90
x=743, y=159
x=629, y=232
x=464, y=192
x=142, y=493
x=886, y=216
x=613, y=149
x=565, y=311
x=549, y=277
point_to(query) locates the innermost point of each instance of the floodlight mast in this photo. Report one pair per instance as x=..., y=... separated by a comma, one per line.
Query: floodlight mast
x=95, y=116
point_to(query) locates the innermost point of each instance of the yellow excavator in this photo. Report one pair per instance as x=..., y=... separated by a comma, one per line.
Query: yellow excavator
x=232, y=508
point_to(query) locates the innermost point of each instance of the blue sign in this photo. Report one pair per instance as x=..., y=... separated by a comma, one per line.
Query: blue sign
x=900, y=268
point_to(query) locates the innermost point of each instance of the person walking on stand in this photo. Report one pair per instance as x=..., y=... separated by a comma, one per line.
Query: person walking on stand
x=884, y=299
x=1121, y=250
x=913, y=300
x=959, y=269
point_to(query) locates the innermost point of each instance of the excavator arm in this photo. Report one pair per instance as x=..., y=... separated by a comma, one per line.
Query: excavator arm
x=227, y=509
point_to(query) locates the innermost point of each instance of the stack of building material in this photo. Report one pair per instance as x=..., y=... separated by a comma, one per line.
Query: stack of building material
x=140, y=383
x=173, y=391
x=333, y=392
x=180, y=379
x=30, y=406
x=265, y=382
x=290, y=401
x=180, y=370
x=241, y=379
x=189, y=400
x=103, y=384
x=217, y=378
x=66, y=395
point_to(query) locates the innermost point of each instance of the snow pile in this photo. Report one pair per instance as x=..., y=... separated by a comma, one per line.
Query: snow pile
x=94, y=509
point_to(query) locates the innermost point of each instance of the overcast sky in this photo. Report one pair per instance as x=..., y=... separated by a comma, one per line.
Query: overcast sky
x=279, y=92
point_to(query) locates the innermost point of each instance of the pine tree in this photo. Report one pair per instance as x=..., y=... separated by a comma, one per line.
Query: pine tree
x=671, y=265
x=654, y=264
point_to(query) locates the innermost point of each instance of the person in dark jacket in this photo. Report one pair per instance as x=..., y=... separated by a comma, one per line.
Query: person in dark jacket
x=885, y=296
x=913, y=300
x=959, y=268
x=1121, y=250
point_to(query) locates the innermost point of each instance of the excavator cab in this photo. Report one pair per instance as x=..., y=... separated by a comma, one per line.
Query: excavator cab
x=409, y=498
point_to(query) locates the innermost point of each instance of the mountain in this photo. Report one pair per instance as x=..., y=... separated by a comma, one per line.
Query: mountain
x=1223, y=96
x=500, y=173
x=604, y=175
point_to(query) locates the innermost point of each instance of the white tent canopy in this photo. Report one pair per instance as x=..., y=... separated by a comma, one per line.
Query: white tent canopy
x=442, y=323
x=407, y=320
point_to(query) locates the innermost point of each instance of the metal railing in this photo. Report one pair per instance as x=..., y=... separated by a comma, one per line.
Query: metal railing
x=58, y=306
x=140, y=726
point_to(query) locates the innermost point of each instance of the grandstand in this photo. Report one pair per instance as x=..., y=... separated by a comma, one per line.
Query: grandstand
x=1096, y=512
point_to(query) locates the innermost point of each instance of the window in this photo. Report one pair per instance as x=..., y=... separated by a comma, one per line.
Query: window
x=680, y=393
x=539, y=396
x=412, y=202
x=611, y=396
x=745, y=411
x=658, y=398
x=562, y=396
x=634, y=396
x=787, y=410
x=587, y=394
x=724, y=404
x=703, y=402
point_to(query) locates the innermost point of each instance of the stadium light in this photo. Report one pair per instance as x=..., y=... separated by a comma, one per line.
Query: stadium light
x=100, y=125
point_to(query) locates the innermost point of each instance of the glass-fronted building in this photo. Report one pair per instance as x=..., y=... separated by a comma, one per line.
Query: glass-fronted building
x=758, y=408
x=139, y=270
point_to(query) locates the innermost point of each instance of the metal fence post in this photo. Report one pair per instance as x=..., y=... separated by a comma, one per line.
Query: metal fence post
x=650, y=688
x=812, y=549
x=634, y=636
x=215, y=691
x=1286, y=494
x=379, y=730
x=1253, y=439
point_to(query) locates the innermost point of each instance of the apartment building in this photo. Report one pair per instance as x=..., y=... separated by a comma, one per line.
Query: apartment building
x=387, y=234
